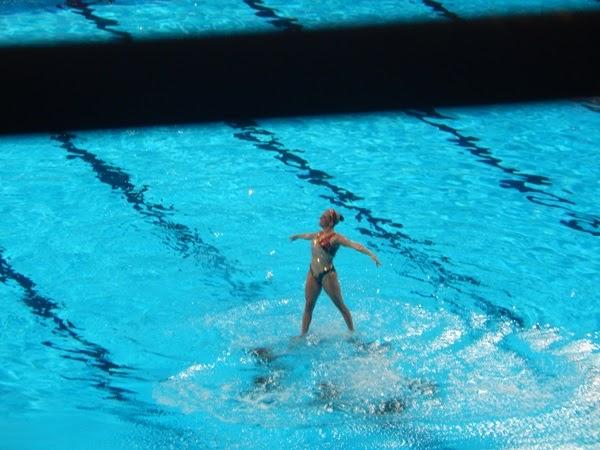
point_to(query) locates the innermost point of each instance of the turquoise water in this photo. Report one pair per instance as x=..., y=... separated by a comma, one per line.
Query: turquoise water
x=42, y=21
x=141, y=268
x=151, y=295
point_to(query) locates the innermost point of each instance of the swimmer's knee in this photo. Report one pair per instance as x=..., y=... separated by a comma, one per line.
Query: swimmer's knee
x=340, y=305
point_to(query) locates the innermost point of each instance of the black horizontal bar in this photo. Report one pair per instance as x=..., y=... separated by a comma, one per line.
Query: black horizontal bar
x=368, y=68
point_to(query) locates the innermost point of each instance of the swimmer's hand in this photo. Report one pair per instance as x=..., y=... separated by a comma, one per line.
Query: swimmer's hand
x=293, y=237
x=376, y=260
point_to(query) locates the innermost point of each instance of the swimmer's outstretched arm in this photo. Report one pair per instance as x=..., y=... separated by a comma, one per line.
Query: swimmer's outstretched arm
x=307, y=236
x=358, y=247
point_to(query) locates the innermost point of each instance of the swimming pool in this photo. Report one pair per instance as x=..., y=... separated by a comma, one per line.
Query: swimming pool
x=151, y=293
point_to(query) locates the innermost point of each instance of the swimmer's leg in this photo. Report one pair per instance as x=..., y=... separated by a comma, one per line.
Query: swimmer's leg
x=332, y=287
x=312, y=289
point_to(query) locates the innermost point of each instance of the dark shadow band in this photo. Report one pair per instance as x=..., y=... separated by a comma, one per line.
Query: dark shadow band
x=375, y=68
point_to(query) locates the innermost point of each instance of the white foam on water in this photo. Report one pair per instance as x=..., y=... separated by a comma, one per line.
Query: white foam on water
x=447, y=338
x=449, y=378
x=192, y=370
x=537, y=419
x=486, y=345
x=577, y=350
x=541, y=338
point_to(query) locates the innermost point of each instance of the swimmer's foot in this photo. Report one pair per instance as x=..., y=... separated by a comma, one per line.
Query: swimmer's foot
x=352, y=337
x=298, y=339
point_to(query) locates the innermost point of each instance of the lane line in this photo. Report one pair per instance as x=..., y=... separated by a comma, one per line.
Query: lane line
x=90, y=353
x=84, y=8
x=181, y=238
x=273, y=17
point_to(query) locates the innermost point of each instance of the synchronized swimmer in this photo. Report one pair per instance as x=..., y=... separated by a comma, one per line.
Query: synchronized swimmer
x=321, y=272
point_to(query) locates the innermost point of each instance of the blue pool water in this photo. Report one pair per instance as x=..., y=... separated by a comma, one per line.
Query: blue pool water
x=42, y=21
x=151, y=295
x=141, y=267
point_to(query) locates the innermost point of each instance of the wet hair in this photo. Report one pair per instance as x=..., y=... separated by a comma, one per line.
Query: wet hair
x=335, y=216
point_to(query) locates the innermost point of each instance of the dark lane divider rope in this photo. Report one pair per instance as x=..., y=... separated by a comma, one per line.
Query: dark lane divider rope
x=519, y=181
x=586, y=223
x=593, y=104
x=180, y=237
x=441, y=9
x=273, y=17
x=84, y=8
x=88, y=352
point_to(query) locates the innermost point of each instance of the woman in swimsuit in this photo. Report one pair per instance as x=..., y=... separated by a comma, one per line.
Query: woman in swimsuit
x=321, y=273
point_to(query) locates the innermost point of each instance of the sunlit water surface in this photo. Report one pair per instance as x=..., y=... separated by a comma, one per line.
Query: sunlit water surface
x=152, y=297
